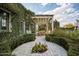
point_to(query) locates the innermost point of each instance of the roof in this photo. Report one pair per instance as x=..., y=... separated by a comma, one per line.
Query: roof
x=42, y=16
x=12, y=7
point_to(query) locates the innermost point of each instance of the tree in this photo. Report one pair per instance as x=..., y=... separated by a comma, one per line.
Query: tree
x=56, y=24
x=69, y=26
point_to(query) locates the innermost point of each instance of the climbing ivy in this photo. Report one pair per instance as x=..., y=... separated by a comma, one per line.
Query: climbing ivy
x=18, y=14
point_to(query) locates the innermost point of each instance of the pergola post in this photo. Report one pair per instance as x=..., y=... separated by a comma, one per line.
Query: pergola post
x=36, y=28
x=43, y=19
x=47, y=27
x=24, y=26
x=10, y=26
x=52, y=24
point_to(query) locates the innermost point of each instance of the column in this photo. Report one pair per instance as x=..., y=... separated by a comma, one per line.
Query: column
x=36, y=28
x=47, y=25
x=10, y=26
x=52, y=24
x=24, y=26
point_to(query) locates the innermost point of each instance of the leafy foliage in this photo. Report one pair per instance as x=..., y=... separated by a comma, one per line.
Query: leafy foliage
x=18, y=14
x=4, y=44
x=4, y=48
x=58, y=40
x=56, y=24
x=16, y=41
x=39, y=48
x=67, y=39
x=69, y=26
x=10, y=43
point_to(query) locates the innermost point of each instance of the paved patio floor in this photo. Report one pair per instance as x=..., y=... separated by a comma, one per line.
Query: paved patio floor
x=53, y=49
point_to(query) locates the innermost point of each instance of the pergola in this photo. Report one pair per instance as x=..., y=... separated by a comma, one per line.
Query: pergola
x=43, y=20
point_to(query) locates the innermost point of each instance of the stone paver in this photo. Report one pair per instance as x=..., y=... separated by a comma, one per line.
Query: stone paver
x=53, y=49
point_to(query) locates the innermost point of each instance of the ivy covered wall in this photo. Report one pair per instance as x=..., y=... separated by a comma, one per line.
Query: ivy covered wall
x=18, y=15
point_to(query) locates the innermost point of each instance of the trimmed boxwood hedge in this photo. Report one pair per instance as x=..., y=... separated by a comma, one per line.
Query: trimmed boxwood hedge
x=58, y=40
x=4, y=35
x=9, y=42
x=71, y=38
x=4, y=44
x=4, y=48
x=14, y=42
x=73, y=51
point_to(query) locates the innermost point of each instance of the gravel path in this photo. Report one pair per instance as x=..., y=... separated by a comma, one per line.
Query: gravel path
x=53, y=49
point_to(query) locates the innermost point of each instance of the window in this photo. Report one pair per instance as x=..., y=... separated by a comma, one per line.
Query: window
x=27, y=26
x=4, y=20
x=22, y=28
x=3, y=24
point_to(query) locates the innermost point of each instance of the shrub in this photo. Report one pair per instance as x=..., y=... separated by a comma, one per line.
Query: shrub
x=73, y=51
x=58, y=40
x=4, y=36
x=16, y=41
x=67, y=39
x=39, y=48
x=4, y=48
x=4, y=44
x=9, y=42
x=29, y=37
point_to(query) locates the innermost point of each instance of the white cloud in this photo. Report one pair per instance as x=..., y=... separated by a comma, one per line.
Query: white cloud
x=39, y=13
x=70, y=10
x=65, y=12
x=58, y=10
x=48, y=12
x=72, y=15
x=58, y=17
x=44, y=4
x=71, y=18
x=61, y=4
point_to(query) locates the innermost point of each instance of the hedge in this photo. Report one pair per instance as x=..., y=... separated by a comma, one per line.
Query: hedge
x=14, y=42
x=70, y=40
x=4, y=45
x=58, y=40
x=73, y=51
x=4, y=35
x=4, y=48
x=10, y=43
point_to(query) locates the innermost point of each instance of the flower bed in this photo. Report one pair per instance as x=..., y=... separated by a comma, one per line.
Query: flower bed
x=39, y=48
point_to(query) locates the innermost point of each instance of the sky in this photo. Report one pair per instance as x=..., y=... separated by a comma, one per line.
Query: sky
x=65, y=13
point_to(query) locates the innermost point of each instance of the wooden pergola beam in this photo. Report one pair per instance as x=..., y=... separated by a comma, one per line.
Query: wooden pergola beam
x=5, y=10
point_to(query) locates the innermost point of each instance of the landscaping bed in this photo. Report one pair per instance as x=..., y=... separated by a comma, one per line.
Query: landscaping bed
x=39, y=48
x=9, y=42
x=4, y=44
x=58, y=40
x=5, y=48
x=68, y=40
x=14, y=42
